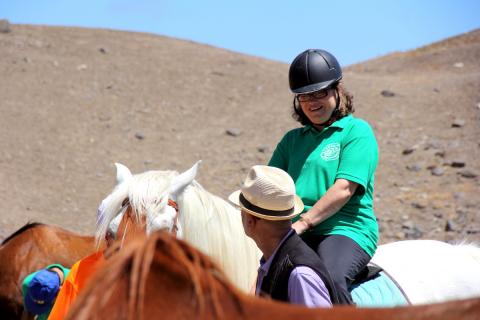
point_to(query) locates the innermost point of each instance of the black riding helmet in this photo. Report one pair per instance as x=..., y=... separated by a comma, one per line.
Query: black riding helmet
x=313, y=70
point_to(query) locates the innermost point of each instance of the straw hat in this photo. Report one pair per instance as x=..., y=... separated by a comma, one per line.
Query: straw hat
x=268, y=193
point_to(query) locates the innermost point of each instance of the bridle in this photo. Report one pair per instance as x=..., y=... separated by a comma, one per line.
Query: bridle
x=174, y=205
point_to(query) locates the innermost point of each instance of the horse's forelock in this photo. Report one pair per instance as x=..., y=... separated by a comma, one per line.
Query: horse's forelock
x=148, y=193
x=111, y=206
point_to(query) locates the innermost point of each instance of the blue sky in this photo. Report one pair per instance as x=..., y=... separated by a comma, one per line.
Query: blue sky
x=353, y=31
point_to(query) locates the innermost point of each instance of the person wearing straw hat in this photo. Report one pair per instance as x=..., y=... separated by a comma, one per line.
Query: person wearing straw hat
x=289, y=270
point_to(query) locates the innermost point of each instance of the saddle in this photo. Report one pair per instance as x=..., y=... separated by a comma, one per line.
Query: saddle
x=373, y=287
x=370, y=272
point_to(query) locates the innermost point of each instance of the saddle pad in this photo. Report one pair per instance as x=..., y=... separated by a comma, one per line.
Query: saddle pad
x=378, y=292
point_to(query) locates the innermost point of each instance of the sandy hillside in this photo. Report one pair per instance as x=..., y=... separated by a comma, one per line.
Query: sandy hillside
x=74, y=101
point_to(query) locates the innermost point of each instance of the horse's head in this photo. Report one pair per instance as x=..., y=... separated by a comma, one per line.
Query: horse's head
x=142, y=203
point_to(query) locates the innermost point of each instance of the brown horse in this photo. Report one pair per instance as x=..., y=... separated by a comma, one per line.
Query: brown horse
x=163, y=277
x=30, y=248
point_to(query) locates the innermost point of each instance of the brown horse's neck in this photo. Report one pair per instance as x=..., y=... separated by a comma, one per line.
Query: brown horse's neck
x=26, y=227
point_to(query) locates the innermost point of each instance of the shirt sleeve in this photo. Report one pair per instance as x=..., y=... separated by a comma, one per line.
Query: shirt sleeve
x=306, y=287
x=359, y=156
x=280, y=155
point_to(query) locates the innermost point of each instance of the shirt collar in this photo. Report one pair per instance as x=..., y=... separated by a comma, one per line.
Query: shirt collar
x=341, y=123
x=265, y=265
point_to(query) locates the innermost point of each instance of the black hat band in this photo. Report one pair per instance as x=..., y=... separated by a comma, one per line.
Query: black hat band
x=276, y=213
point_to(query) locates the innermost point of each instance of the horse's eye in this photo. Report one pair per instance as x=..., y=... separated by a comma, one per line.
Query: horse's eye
x=110, y=235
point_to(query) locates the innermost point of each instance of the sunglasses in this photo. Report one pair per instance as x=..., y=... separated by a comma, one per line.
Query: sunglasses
x=317, y=95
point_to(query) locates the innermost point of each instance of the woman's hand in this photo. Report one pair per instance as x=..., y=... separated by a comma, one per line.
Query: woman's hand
x=300, y=226
x=331, y=202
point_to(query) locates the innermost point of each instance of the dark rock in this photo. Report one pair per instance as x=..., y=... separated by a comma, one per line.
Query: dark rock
x=440, y=153
x=449, y=226
x=458, y=123
x=419, y=205
x=139, y=136
x=473, y=231
x=409, y=150
x=438, y=215
x=414, y=167
x=4, y=26
x=436, y=90
x=457, y=163
x=102, y=50
x=437, y=171
x=262, y=149
x=233, y=132
x=468, y=174
x=387, y=93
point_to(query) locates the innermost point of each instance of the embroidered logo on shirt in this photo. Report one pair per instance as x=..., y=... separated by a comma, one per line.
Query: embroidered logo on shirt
x=331, y=152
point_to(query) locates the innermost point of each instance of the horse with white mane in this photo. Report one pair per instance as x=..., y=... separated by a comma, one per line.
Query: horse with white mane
x=427, y=271
x=203, y=219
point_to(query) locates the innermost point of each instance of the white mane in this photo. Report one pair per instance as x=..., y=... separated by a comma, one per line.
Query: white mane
x=208, y=222
x=215, y=227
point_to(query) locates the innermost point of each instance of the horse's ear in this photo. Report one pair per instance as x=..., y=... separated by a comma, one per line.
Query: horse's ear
x=182, y=180
x=123, y=173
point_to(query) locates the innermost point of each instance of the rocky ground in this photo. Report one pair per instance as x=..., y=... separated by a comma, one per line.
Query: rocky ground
x=74, y=101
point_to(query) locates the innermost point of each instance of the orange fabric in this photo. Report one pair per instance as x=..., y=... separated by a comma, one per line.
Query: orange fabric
x=76, y=280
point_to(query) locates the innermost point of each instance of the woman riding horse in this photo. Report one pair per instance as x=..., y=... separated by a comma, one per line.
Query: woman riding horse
x=332, y=160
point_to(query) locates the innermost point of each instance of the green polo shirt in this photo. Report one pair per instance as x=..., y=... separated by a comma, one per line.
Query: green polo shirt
x=346, y=149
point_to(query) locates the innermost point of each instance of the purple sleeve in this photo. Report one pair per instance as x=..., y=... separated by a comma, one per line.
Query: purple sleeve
x=307, y=288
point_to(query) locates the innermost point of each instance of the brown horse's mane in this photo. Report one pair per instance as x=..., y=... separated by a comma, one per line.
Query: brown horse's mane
x=133, y=264
x=26, y=227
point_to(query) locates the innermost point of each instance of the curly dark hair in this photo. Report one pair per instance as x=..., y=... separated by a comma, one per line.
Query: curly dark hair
x=344, y=109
